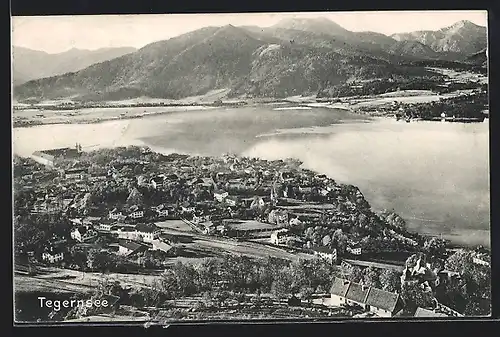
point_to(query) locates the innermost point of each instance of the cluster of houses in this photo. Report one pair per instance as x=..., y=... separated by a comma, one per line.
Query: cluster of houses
x=129, y=238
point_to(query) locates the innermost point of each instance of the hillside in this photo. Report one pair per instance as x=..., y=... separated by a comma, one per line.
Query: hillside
x=413, y=49
x=33, y=64
x=480, y=58
x=462, y=37
x=292, y=57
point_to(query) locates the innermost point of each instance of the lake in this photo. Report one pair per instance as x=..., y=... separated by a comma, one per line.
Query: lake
x=435, y=175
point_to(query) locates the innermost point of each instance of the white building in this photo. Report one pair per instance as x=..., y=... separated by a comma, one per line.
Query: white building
x=83, y=234
x=326, y=253
x=160, y=245
x=157, y=182
x=141, y=232
x=135, y=212
x=52, y=257
x=161, y=211
x=105, y=226
x=116, y=214
x=279, y=237
x=220, y=196
x=355, y=250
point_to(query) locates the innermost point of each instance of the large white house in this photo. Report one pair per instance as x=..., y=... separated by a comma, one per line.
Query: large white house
x=53, y=256
x=141, y=232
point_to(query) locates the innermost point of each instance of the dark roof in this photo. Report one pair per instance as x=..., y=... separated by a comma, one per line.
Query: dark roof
x=421, y=312
x=339, y=287
x=56, y=152
x=130, y=245
x=43, y=155
x=382, y=299
x=135, y=208
x=75, y=170
x=51, y=153
x=123, y=227
x=323, y=250
x=157, y=179
x=357, y=292
x=82, y=230
x=146, y=228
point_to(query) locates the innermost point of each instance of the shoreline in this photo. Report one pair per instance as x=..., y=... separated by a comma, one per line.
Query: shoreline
x=351, y=104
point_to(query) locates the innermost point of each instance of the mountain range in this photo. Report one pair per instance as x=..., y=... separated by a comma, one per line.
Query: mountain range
x=462, y=37
x=31, y=64
x=295, y=56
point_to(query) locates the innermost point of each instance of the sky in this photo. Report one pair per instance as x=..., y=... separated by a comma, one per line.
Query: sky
x=55, y=34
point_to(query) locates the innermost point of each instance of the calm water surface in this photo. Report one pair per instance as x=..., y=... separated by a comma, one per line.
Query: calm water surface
x=436, y=175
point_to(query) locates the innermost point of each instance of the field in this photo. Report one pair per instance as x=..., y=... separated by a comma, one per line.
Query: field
x=72, y=281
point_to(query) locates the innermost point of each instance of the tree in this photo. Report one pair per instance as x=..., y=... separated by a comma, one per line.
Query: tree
x=371, y=277
x=91, y=259
x=355, y=274
x=208, y=272
x=414, y=296
x=306, y=293
x=435, y=247
x=281, y=286
x=390, y=280
x=461, y=261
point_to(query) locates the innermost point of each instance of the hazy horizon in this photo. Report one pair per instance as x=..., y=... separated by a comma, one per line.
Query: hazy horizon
x=57, y=34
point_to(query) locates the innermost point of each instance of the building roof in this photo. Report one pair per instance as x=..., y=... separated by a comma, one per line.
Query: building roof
x=382, y=299
x=135, y=208
x=324, y=250
x=157, y=179
x=162, y=245
x=75, y=170
x=130, y=245
x=357, y=292
x=364, y=294
x=146, y=228
x=340, y=287
x=421, y=312
x=43, y=155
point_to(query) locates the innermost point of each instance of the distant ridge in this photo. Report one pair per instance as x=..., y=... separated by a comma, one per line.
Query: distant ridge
x=292, y=57
x=31, y=64
x=462, y=37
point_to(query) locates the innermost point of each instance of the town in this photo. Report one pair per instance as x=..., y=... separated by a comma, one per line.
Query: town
x=224, y=234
